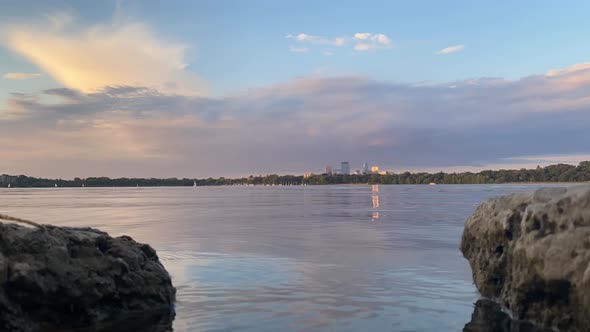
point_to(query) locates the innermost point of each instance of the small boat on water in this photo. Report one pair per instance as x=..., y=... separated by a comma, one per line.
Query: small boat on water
x=56, y=185
x=432, y=184
x=194, y=183
x=9, y=185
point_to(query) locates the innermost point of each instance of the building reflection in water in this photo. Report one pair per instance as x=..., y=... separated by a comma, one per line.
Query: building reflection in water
x=375, y=193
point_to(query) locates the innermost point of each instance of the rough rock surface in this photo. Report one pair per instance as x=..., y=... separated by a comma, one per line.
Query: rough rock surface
x=61, y=279
x=488, y=317
x=531, y=253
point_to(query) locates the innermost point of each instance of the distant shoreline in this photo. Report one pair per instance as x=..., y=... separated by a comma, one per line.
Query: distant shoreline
x=553, y=174
x=305, y=185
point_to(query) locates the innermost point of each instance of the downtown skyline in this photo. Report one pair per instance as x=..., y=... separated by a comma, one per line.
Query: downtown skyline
x=199, y=88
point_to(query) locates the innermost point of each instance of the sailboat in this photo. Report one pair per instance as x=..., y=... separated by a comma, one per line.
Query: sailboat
x=82, y=185
x=194, y=183
x=9, y=185
x=56, y=185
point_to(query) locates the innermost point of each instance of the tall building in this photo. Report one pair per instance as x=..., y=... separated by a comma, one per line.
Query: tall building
x=365, y=168
x=345, y=168
x=329, y=170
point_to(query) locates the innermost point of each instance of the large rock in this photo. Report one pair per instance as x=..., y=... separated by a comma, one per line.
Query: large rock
x=59, y=279
x=488, y=316
x=531, y=253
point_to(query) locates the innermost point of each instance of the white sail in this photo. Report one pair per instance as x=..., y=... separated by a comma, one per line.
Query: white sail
x=194, y=183
x=9, y=185
x=56, y=185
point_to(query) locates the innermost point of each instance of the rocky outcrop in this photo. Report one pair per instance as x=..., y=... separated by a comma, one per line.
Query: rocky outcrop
x=531, y=253
x=488, y=317
x=61, y=279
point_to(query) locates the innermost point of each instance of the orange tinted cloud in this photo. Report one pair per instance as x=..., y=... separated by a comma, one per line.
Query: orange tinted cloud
x=87, y=58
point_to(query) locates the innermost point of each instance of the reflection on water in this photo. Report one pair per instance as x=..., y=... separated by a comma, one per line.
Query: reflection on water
x=375, y=216
x=375, y=198
x=311, y=258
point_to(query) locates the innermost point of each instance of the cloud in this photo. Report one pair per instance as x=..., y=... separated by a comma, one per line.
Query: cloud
x=367, y=41
x=364, y=47
x=362, y=36
x=451, y=49
x=569, y=70
x=378, y=38
x=21, y=76
x=298, y=49
x=383, y=39
x=360, y=41
x=317, y=40
x=298, y=125
x=305, y=37
x=89, y=57
x=339, y=41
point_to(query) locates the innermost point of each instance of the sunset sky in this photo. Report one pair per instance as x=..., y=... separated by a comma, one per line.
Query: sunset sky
x=232, y=88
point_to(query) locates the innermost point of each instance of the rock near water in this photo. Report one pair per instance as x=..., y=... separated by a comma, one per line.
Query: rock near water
x=65, y=279
x=531, y=253
x=488, y=316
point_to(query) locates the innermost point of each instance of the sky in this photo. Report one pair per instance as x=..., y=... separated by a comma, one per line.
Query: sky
x=233, y=88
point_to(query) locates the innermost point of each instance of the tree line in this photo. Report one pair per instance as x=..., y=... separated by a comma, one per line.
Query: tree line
x=553, y=173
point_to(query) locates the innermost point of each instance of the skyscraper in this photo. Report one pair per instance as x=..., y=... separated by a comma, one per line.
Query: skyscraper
x=365, y=168
x=329, y=170
x=345, y=168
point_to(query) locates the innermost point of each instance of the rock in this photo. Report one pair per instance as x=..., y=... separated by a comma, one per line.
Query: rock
x=531, y=253
x=488, y=317
x=60, y=279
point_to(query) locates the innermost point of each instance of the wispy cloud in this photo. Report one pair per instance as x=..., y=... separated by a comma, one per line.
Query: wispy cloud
x=363, y=47
x=575, y=68
x=340, y=41
x=21, y=76
x=364, y=41
x=451, y=49
x=317, y=40
x=367, y=41
x=89, y=57
x=305, y=37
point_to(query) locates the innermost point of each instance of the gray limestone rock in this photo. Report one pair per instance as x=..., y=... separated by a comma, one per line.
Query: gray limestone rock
x=62, y=279
x=531, y=253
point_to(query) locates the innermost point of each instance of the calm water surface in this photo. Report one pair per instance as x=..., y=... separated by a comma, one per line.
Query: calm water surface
x=314, y=258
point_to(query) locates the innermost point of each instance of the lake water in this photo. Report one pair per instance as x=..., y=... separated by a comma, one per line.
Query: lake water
x=313, y=258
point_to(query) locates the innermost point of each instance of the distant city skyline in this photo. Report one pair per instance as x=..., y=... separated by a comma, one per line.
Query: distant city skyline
x=345, y=168
x=232, y=88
